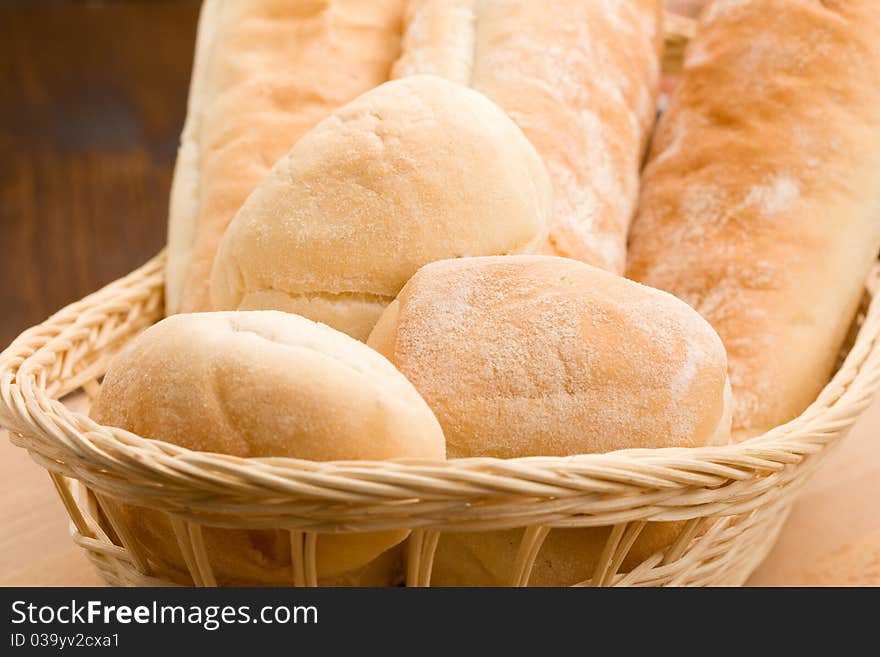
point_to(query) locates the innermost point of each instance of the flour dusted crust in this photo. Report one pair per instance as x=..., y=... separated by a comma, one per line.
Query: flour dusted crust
x=760, y=203
x=538, y=355
x=261, y=384
x=544, y=356
x=265, y=72
x=579, y=78
x=414, y=171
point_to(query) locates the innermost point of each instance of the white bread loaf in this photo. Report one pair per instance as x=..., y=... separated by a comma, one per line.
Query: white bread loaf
x=545, y=356
x=580, y=79
x=265, y=72
x=760, y=203
x=413, y=171
x=261, y=384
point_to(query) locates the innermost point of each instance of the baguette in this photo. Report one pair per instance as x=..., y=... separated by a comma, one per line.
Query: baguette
x=265, y=72
x=580, y=80
x=760, y=204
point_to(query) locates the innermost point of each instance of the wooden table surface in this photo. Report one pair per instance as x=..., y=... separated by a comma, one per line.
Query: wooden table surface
x=94, y=98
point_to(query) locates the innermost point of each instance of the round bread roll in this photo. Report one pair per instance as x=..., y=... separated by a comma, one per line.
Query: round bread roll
x=544, y=356
x=416, y=170
x=263, y=384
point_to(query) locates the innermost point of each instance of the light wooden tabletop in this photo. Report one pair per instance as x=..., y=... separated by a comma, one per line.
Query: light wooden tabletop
x=831, y=538
x=35, y=547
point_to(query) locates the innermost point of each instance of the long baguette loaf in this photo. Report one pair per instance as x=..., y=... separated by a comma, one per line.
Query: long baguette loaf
x=760, y=204
x=265, y=72
x=579, y=78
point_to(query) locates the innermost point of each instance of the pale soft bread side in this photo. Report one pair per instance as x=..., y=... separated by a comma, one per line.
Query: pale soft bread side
x=545, y=356
x=183, y=205
x=262, y=384
x=580, y=79
x=414, y=171
x=265, y=72
x=151, y=529
x=760, y=203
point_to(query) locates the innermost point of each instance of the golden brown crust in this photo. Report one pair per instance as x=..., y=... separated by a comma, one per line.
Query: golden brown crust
x=760, y=203
x=266, y=71
x=580, y=80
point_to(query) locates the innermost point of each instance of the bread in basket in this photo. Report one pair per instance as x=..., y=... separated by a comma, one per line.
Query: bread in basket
x=730, y=500
x=733, y=498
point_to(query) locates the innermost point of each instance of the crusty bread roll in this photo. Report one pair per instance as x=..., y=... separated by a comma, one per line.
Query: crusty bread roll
x=260, y=384
x=760, y=203
x=580, y=79
x=265, y=72
x=413, y=171
x=545, y=356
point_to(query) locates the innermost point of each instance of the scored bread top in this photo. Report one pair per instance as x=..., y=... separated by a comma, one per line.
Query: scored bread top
x=258, y=384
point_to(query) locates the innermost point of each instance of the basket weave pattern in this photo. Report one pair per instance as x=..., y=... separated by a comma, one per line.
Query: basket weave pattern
x=733, y=498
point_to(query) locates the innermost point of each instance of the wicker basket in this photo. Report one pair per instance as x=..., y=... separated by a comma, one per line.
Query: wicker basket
x=731, y=500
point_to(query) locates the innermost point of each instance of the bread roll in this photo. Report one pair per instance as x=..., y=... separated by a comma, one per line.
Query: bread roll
x=265, y=72
x=545, y=356
x=760, y=203
x=261, y=384
x=414, y=171
x=580, y=79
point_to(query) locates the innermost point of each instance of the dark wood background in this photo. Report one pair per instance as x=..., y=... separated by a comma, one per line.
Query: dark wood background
x=92, y=100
